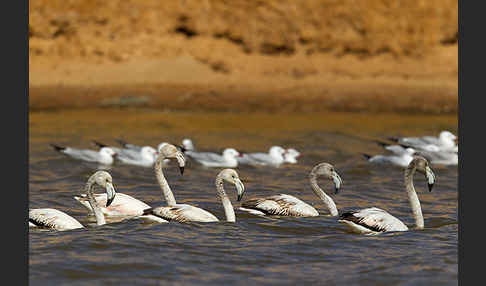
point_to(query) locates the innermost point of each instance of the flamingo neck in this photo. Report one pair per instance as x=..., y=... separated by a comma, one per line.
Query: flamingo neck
x=100, y=218
x=228, y=207
x=323, y=196
x=169, y=196
x=413, y=198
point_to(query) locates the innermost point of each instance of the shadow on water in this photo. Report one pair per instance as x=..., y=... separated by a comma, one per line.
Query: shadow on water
x=255, y=249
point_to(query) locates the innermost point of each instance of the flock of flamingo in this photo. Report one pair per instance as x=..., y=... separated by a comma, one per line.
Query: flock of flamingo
x=365, y=221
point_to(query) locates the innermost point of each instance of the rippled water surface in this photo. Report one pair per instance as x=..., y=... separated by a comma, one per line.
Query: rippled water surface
x=254, y=250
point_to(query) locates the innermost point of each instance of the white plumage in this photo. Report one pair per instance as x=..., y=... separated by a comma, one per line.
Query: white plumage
x=208, y=159
x=291, y=156
x=432, y=153
x=401, y=157
x=274, y=157
x=188, y=145
x=445, y=142
x=145, y=157
x=135, y=147
x=141, y=156
x=104, y=156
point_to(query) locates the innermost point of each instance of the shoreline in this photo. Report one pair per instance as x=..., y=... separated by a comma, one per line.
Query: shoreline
x=255, y=83
x=358, y=96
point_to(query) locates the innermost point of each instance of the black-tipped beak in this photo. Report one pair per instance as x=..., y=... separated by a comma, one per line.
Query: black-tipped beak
x=429, y=174
x=240, y=188
x=110, y=194
x=337, y=182
x=109, y=201
x=181, y=161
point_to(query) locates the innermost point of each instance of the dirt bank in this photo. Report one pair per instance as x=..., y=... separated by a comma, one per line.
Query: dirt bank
x=245, y=55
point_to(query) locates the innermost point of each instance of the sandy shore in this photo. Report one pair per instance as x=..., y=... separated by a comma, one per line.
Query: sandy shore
x=245, y=55
x=186, y=84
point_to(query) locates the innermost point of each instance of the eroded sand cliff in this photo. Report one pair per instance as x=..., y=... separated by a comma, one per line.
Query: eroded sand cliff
x=245, y=55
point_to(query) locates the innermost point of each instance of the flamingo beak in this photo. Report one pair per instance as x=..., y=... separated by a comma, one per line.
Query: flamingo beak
x=240, y=188
x=337, y=182
x=182, y=161
x=429, y=174
x=110, y=194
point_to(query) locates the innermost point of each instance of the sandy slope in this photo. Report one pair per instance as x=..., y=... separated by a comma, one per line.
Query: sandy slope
x=245, y=55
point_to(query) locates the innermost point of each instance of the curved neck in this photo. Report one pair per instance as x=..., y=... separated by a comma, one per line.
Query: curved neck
x=323, y=196
x=100, y=218
x=228, y=207
x=412, y=197
x=169, y=196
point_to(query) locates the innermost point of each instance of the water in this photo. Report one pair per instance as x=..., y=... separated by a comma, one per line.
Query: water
x=254, y=249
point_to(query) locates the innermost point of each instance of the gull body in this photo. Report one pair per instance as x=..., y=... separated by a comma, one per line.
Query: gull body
x=104, y=156
x=445, y=142
x=188, y=145
x=431, y=152
x=274, y=157
x=226, y=160
x=401, y=159
x=291, y=156
x=143, y=156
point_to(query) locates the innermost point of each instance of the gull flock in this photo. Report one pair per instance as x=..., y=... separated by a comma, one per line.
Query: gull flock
x=146, y=156
x=415, y=154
